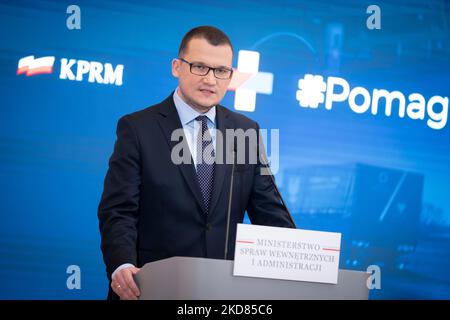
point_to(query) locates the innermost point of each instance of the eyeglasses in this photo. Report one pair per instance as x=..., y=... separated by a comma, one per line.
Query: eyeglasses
x=202, y=70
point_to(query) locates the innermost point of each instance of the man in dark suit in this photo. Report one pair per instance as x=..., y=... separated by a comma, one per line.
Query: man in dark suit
x=154, y=207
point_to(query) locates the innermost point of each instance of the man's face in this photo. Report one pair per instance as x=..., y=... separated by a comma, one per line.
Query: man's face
x=202, y=92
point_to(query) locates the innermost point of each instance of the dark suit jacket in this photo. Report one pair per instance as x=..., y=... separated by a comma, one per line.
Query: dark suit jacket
x=152, y=209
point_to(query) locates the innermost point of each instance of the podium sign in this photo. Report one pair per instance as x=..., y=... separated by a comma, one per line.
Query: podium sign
x=288, y=254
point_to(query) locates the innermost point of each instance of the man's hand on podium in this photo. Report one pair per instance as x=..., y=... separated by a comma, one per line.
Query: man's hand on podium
x=123, y=283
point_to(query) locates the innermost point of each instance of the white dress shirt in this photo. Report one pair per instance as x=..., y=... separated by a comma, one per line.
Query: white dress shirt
x=191, y=127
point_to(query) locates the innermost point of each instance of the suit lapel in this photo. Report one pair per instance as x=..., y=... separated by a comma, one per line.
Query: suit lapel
x=223, y=122
x=170, y=121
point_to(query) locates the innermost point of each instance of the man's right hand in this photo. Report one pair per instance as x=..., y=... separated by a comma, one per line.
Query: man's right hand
x=123, y=284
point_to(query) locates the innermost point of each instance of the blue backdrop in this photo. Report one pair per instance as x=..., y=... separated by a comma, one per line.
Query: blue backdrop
x=383, y=181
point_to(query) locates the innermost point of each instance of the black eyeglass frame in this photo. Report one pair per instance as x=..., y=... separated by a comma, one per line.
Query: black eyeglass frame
x=209, y=69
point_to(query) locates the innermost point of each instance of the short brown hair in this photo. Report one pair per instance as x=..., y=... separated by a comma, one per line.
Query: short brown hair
x=214, y=36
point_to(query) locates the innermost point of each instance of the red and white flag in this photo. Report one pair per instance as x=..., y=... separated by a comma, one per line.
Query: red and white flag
x=31, y=66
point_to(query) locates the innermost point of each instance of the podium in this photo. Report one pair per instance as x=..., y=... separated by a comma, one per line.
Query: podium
x=184, y=278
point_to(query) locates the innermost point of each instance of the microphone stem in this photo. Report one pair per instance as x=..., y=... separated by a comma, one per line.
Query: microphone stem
x=229, y=209
x=266, y=164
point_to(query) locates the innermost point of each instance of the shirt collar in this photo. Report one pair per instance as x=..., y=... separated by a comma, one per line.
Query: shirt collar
x=187, y=114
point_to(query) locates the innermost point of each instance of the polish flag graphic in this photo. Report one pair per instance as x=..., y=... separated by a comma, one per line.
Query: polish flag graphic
x=31, y=66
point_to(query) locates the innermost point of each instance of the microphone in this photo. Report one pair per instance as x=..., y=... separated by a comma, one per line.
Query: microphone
x=266, y=165
x=230, y=198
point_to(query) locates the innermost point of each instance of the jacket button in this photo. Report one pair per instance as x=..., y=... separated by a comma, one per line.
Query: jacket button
x=208, y=227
